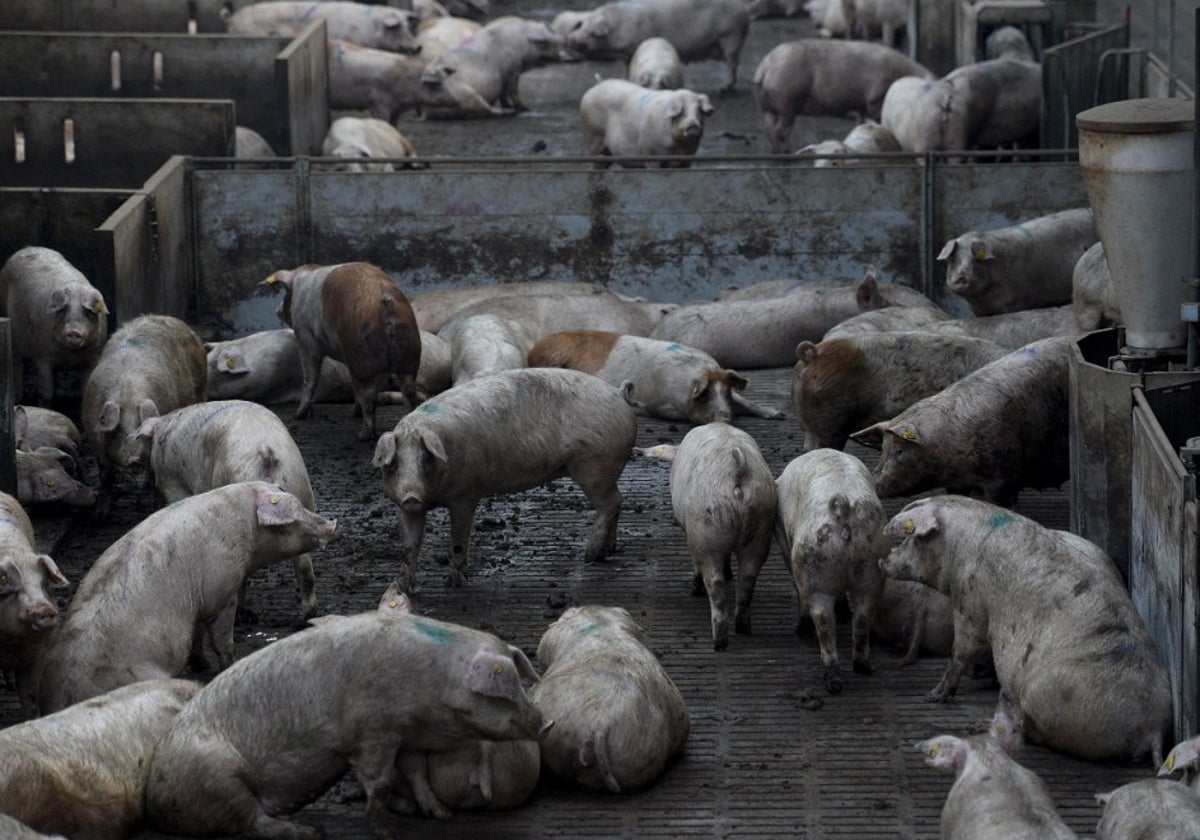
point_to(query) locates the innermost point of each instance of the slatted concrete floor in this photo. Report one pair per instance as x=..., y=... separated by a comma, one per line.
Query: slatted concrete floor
x=757, y=764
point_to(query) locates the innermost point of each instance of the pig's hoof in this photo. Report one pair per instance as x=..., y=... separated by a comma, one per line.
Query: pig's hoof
x=937, y=696
x=456, y=579
x=742, y=626
x=862, y=667
x=809, y=701
x=721, y=641
x=833, y=680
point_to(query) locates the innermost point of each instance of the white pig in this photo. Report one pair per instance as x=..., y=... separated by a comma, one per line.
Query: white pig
x=35, y=427
x=487, y=343
x=44, y=477
x=723, y=494
x=994, y=797
x=152, y=364
x=814, y=77
x=28, y=613
x=669, y=380
x=382, y=27
x=618, y=717
x=359, y=139
x=1150, y=808
x=1008, y=42
x=176, y=573
x=623, y=119
x=208, y=445
x=505, y=433
x=1070, y=650
x=1014, y=329
x=869, y=19
x=436, y=35
x=57, y=317
x=868, y=137
x=1184, y=759
x=698, y=29
x=280, y=727
x=925, y=115
x=655, y=64
x=13, y=829
x=1004, y=102
x=829, y=530
x=1093, y=296
x=435, y=308
x=553, y=312
x=888, y=319
x=82, y=771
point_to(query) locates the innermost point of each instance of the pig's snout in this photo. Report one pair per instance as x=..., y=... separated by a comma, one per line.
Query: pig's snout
x=960, y=282
x=412, y=504
x=545, y=730
x=44, y=618
x=74, y=338
x=692, y=128
x=327, y=531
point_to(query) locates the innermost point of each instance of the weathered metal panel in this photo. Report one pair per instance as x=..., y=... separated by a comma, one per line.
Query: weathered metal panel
x=1166, y=28
x=8, y=447
x=117, y=15
x=115, y=142
x=1164, y=537
x=67, y=64
x=1079, y=74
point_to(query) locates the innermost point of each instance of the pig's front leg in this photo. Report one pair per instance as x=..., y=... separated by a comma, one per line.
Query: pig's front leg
x=412, y=529
x=745, y=407
x=310, y=366
x=462, y=518
x=45, y=381
x=413, y=768
x=220, y=634
x=374, y=763
x=969, y=643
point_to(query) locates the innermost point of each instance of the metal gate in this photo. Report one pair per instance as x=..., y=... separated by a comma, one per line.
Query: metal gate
x=1079, y=74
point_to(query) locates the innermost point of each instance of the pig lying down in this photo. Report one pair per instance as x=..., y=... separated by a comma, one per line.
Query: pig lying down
x=367, y=25
x=264, y=738
x=504, y=433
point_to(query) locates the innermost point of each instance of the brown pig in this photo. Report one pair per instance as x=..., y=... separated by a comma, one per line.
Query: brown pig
x=354, y=313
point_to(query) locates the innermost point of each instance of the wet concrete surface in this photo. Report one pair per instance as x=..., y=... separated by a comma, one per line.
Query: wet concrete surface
x=757, y=763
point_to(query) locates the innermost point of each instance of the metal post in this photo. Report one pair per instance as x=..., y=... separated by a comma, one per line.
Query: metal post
x=8, y=446
x=1193, y=340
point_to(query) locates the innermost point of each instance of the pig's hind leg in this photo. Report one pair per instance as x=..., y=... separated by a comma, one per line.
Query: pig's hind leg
x=750, y=560
x=310, y=366
x=602, y=492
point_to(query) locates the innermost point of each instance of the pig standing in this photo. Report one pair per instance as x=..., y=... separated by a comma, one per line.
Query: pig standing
x=814, y=77
x=27, y=611
x=623, y=119
x=698, y=29
x=764, y=333
x=177, y=572
x=925, y=115
x=152, y=364
x=1023, y=266
x=382, y=27
x=1003, y=102
x=200, y=447
x=43, y=478
x=655, y=64
x=505, y=433
x=82, y=771
x=487, y=343
x=669, y=380
x=354, y=313
x=843, y=384
x=58, y=318
x=265, y=738
x=723, y=494
x=359, y=139
x=387, y=84
x=994, y=797
x=829, y=530
x=870, y=19
x=1008, y=42
x=618, y=717
x=1151, y=808
x=1002, y=428
x=436, y=35
x=1070, y=650
x=264, y=367
x=1093, y=296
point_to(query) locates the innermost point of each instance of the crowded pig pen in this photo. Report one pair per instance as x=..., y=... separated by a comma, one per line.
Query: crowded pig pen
x=776, y=744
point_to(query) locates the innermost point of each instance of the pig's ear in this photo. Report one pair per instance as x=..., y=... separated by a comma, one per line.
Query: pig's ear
x=20, y=422
x=871, y=436
x=981, y=251
x=524, y=666
x=906, y=432
x=110, y=416
x=806, y=352
x=1184, y=757
x=434, y=444
x=96, y=304
x=395, y=602
x=1102, y=798
x=944, y=751
x=64, y=459
x=947, y=250
x=147, y=410
x=494, y=676
x=385, y=450
x=53, y=575
x=147, y=429
x=706, y=107
x=275, y=507
x=280, y=278
x=58, y=300
x=736, y=380
x=866, y=293
x=232, y=364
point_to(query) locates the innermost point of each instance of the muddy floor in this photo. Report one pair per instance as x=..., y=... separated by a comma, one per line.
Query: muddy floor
x=757, y=763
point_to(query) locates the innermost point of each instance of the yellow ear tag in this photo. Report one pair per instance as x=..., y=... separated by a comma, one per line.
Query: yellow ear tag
x=1170, y=762
x=497, y=669
x=393, y=603
x=979, y=253
x=909, y=527
x=270, y=279
x=101, y=308
x=1001, y=728
x=908, y=434
x=230, y=362
x=934, y=749
x=49, y=482
x=274, y=500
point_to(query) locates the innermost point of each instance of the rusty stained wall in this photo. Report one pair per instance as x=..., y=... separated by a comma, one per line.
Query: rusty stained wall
x=116, y=15
x=672, y=235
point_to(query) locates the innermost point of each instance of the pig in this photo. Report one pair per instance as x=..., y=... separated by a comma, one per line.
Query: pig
x=1008, y=42
x=387, y=84
x=178, y=571
x=1003, y=102
x=1002, y=428
x=866, y=138
x=264, y=367
x=698, y=29
x=355, y=314
x=57, y=317
x=28, y=613
x=357, y=140
x=775, y=8
x=721, y=328
x=1184, y=759
x=623, y=119
x=15, y=830
x=490, y=63
x=925, y=115
x=436, y=35
x=669, y=380
x=436, y=307
x=505, y=433
x=994, y=797
x=44, y=477
x=829, y=17
x=844, y=384
x=618, y=717
x=543, y=314
x=250, y=144
x=152, y=364
x=1023, y=266
x=655, y=64
x=1014, y=329
x=888, y=319
x=829, y=528
x=1070, y=650
x=476, y=10
x=1158, y=808
x=813, y=77
x=82, y=771
x=200, y=447
x=914, y=618
x=35, y=427
x=265, y=738
x=869, y=19
x=723, y=494
x=487, y=343
x=1093, y=296
x=381, y=27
